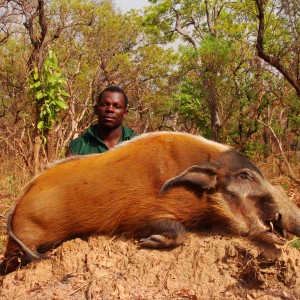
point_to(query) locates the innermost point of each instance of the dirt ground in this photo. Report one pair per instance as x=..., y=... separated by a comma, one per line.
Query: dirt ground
x=212, y=264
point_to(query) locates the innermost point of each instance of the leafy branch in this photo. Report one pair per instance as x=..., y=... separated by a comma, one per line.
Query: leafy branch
x=48, y=91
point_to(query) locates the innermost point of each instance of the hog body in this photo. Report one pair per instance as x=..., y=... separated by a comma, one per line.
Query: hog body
x=153, y=188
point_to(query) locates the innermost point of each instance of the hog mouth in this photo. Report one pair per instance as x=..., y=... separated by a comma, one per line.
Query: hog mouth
x=273, y=231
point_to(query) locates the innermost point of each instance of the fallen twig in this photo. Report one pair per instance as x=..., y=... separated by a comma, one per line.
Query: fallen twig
x=80, y=288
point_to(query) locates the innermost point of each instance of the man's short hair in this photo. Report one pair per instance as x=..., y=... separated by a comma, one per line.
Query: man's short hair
x=113, y=89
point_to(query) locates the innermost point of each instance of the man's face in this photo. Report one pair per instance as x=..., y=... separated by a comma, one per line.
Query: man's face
x=111, y=110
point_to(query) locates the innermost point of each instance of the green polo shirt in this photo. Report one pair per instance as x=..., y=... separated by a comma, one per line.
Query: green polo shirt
x=90, y=141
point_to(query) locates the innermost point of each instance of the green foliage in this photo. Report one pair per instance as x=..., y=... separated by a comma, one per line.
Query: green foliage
x=10, y=184
x=295, y=243
x=48, y=91
x=254, y=147
x=192, y=105
x=294, y=115
x=215, y=51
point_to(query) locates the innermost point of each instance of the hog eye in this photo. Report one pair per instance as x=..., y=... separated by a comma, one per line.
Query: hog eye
x=245, y=175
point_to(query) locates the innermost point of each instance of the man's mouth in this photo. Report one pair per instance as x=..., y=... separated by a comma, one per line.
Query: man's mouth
x=108, y=118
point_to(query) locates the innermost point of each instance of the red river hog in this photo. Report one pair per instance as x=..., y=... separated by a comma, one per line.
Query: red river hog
x=152, y=188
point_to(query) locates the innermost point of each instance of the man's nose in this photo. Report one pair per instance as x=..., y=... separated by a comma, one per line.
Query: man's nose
x=110, y=107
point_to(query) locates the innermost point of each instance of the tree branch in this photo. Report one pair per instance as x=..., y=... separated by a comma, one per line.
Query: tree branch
x=292, y=175
x=275, y=62
x=181, y=31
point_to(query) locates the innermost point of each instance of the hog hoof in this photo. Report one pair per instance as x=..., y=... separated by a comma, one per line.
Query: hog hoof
x=158, y=241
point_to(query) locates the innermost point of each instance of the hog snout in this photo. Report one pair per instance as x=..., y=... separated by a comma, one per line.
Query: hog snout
x=288, y=216
x=297, y=231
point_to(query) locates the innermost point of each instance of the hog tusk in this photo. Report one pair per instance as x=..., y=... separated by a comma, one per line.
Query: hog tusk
x=272, y=227
x=277, y=216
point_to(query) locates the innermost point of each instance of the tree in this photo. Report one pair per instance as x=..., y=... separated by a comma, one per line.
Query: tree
x=41, y=32
x=278, y=44
x=214, y=83
x=197, y=23
x=222, y=78
x=115, y=50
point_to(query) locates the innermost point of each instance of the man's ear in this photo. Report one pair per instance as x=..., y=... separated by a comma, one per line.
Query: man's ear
x=196, y=178
x=125, y=113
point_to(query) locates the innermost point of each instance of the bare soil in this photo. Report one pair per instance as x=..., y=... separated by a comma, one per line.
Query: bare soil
x=209, y=265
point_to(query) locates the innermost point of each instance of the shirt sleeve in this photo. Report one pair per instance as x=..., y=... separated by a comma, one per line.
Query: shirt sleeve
x=75, y=146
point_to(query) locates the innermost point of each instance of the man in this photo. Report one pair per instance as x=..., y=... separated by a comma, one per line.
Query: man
x=111, y=109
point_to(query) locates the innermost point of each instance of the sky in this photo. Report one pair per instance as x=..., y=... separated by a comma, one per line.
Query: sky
x=126, y=5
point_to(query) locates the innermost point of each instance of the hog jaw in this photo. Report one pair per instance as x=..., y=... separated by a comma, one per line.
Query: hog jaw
x=278, y=215
x=270, y=216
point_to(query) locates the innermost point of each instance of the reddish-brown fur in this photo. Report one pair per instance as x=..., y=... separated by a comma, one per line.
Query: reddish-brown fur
x=109, y=193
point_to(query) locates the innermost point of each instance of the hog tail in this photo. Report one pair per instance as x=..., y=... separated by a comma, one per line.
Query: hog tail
x=31, y=255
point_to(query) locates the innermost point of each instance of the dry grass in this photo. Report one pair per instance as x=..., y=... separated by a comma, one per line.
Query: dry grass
x=275, y=170
x=12, y=180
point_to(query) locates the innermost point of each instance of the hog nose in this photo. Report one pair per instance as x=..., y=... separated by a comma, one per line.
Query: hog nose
x=294, y=230
x=297, y=231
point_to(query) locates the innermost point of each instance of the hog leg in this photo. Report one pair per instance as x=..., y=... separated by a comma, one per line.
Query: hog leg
x=164, y=233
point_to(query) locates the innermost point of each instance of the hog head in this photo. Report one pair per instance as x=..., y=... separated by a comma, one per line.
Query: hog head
x=241, y=196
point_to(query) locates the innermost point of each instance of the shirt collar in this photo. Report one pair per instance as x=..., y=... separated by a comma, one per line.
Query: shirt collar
x=93, y=130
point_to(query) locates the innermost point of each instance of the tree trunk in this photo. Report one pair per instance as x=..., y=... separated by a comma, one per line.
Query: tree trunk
x=209, y=86
x=36, y=153
x=51, y=145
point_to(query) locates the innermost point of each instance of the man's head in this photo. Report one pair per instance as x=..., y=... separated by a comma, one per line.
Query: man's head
x=111, y=107
x=113, y=89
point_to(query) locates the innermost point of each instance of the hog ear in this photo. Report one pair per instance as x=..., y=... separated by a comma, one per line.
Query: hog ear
x=196, y=178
